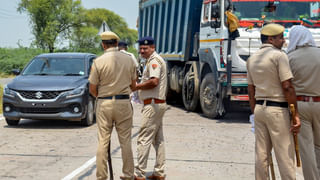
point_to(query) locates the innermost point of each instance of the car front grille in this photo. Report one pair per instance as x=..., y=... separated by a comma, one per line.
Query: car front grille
x=41, y=110
x=40, y=94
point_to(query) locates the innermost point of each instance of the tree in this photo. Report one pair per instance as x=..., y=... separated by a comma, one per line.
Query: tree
x=85, y=36
x=85, y=39
x=51, y=19
x=95, y=17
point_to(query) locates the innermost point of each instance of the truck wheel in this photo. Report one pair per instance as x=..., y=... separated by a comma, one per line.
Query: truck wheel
x=89, y=119
x=190, y=90
x=11, y=122
x=208, y=96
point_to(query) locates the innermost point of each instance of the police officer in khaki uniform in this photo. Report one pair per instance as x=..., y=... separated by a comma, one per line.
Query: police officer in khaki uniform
x=305, y=65
x=123, y=47
x=152, y=91
x=270, y=92
x=111, y=77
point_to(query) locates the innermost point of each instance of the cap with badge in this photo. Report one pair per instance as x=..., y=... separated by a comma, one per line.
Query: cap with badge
x=146, y=41
x=272, y=29
x=109, y=35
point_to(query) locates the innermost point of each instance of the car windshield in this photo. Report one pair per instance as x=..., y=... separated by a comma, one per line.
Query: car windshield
x=285, y=12
x=56, y=66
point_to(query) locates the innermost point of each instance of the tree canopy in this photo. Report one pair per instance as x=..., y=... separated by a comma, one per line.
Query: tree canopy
x=95, y=17
x=67, y=19
x=49, y=19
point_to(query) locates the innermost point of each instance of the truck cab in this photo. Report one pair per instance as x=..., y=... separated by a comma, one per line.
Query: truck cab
x=216, y=45
x=207, y=66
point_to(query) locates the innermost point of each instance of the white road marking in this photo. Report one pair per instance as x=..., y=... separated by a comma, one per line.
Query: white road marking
x=299, y=176
x=80, y=169
x=92, y=161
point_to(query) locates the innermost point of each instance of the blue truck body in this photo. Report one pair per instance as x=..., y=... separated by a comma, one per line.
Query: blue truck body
x=195, y=52
x=173, y=24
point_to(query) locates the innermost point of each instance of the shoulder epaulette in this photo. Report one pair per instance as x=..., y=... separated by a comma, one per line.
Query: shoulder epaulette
x=126, y=53
x=157, y=60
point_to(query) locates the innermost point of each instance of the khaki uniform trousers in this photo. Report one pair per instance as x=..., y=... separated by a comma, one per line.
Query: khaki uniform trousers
x=151, y=132
x=309, y=139
x=118, y=113
x=272, y=129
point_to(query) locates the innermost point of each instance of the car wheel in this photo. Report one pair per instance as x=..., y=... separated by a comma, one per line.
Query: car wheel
x=89, y=119
x=11, y=122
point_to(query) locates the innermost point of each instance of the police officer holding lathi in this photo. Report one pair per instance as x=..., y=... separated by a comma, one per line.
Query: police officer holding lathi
x=152, y=91
x=270, y=93
x=111, y=77
x=304, y=59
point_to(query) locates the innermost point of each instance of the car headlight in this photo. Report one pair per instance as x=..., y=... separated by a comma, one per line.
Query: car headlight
x=76, y=92
x=8, y=92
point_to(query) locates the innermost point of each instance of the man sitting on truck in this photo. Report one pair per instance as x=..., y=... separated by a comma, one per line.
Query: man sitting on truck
x=232, y=23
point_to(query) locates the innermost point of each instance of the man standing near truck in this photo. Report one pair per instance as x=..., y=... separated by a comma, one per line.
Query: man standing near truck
x=270, y=91
x=305, y=65
x=152, y=91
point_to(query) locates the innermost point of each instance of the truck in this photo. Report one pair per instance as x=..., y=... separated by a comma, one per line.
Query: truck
x=206, y=65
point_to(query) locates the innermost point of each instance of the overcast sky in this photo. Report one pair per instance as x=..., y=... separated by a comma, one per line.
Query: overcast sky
x=14, y=27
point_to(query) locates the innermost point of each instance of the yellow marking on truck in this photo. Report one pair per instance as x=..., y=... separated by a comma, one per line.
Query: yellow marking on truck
x=210, y=40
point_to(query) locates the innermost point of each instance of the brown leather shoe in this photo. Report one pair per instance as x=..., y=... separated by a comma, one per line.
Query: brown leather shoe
x=154, y=177
x=139, y=178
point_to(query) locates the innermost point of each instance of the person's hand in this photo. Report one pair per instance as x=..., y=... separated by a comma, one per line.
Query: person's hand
x=295, y=128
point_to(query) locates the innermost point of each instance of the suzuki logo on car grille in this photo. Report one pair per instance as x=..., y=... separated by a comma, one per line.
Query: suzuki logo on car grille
x=38, y=94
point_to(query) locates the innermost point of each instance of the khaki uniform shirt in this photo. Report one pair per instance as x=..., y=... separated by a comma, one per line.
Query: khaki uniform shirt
x=155, y=67
x=132, y=56
x=305, y=65
x=267, y=68
x=113, y=73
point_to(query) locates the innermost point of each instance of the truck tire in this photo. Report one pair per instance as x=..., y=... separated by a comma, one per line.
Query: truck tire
x=89, y=119
x=11, y=122
x=208, y=96
x=190, y=90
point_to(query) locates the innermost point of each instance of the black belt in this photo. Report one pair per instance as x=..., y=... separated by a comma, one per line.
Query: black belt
x=115, y=97
x=273, y=103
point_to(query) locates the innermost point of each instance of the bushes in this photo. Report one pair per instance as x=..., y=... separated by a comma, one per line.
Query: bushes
x=16, y=58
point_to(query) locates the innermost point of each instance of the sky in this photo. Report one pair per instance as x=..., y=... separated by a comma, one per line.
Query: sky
x=15, y=28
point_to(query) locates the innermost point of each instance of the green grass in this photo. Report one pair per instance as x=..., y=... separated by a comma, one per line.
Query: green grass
x=1, y=92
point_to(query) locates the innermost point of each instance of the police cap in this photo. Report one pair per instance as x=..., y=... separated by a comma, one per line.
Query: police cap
x=146, y=41
x=272, y=29
x=109, y=35
x=122, y=43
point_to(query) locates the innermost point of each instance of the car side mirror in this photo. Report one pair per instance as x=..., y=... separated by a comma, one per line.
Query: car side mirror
x=15, y=71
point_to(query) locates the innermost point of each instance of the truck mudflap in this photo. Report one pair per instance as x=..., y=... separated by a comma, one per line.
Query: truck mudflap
x=239, y=84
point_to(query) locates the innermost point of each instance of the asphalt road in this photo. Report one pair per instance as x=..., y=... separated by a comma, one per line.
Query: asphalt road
x=196, y=148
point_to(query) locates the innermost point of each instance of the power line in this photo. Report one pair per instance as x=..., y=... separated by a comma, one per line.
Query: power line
x=5, y=10
x=9, y=14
